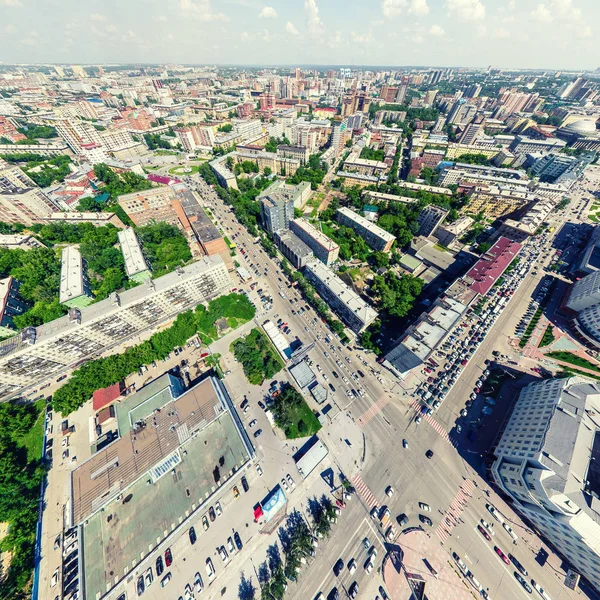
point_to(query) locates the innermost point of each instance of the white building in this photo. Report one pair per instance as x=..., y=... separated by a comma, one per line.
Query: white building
x=74, y=285
x=547, y=461
x=135, y=263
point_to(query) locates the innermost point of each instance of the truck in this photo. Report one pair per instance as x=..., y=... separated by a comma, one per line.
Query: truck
x=385, y=519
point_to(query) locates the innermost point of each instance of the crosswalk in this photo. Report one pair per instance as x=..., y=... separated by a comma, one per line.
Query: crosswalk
x=373, y=410
x=452, y=515
x=364, y=492
x=436, y=426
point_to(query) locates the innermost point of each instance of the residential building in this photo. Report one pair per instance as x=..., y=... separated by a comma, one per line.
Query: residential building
x=376, y=237
x=44, y=352
x=150, y=206
x=339, y=134
x=558, y=168
x=76, y=133
x=11, y=305
x=300, y=153
x=584, y=302
x=344, y=301
x=9, y=131
x=75, y=289
x=26, y=205
x=13, y=177
x=546, y=463
x=136, y=266
x=323, y=247
x=472, y=131
x=449, y=233
x=364, y=166
x=494, y=202
x=276, y=209
x=298, y=194
x=430, y=218
x=20, y=241
x=293, y=248
x=523, y=228
x=526, y=145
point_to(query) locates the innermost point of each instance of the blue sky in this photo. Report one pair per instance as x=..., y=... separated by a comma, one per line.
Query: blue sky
x=507, y=33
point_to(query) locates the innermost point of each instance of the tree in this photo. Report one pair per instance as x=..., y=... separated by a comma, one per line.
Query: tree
x=396, y=295
x=226, y=128
x=378, y=260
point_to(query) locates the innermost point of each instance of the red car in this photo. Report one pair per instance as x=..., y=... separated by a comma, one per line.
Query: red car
x=168, y=557
x=427, y=370
x=484, y=533
x=502, y=555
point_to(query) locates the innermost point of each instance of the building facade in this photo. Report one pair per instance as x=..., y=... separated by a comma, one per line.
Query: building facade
x=546, y=462
x=75, y=289
x=293, y=248
x=136, y=266
x=42, y=353
x=323, y=247
x=345, y=302
x=376, y=237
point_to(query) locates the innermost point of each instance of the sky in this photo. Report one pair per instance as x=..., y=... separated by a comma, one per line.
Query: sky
x=546, y=34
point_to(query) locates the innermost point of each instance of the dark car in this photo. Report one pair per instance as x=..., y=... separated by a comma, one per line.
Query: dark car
x=261, y=405
x=522, y=581
x=337, y=568
x=402, y=520
x=425, y=520
x=238, y=540
x=518, y=565
x=331, y=387
x=211, y=514
x=257, y=433
x=333, y=594
x=245, y=484
x=160, y=567
x=140, y=585
x=168, y=557
x=384, y=596
x=360, y=372
x=484, y=533
x=193, y=537
x=353, y=591
x=335, y=374
x=429, y=454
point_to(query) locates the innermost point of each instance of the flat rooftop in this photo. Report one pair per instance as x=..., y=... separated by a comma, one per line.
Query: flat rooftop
x=316, y=235
x=360, y=220
x=132, y=252
x=71, y=274
x=115, y=539
x=203, y=227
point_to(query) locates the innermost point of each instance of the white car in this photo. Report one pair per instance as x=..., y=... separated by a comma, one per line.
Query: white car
x=218, y=509
x=369, y=565
x=291, y=481
x=352, y=566
x=223, y=554
x=55, y=576
x=389, y=491
x=259, y=470
x=230, y=545
x=198, y=583
x=210, y=570
x=252, y=423
x=284, y=485
x=149, y=577
x=540, y=590
x=424, y=507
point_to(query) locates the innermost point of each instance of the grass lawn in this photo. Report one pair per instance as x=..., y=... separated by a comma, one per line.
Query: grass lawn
x=258, y=356
x=182, y=170
x=548, y=337
x=569, y=357
x=307, y=416
x=34, y=438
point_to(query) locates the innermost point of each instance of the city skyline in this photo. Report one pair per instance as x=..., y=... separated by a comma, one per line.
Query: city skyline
x=528, y=34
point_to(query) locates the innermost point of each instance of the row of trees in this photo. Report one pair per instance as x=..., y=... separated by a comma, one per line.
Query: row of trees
x=112, y=369
x=372, y=154
x=396, y=295
x=314, y=172
x=256, y=355
x=21, y=474
x=43, y=170
x=271, y=145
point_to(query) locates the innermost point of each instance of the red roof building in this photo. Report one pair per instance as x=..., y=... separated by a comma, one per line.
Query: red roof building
x=488, y=269
x=107, y=395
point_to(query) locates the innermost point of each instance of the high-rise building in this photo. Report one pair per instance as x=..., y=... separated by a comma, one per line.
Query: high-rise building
x=434, y=77
x=79, y=71
x=388, y=93
x=267, y=101
x=472, y=91
x=575, y=90
x=430, y=218
x=76, y=133
x=12, y=177
x=11, y=305
x=546, y=461
x=276, y=211
x=293, y=248
x=339, y=134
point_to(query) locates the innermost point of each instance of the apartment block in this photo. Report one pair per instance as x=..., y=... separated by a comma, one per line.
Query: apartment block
x=26, y=206
x=323, y=247
x=276, y=209
x=526, y=145
x=344, y=301
x=364, y=166
x=75, y=289
x=430, y=218
x=13, y=177
x=150, y=206
x=546, y=462
x=136, y=266
x=523, y=228
x=376, y=237
x=42, y=353
x=293, y=248
x=11, y=305
x=451, y=232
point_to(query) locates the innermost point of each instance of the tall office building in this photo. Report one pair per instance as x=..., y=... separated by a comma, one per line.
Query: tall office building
x=547, y=462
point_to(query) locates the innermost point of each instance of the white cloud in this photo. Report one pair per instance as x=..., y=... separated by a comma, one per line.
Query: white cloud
x=436, y=30
x=585, y=32
x=541, y=13
x=362, y=38
x=392, y=8
x=335, y=40
x=98, y=17
x=12, y=3
x=466, y=10
x=159, y=19
x=418, y=7
x=313, y=20
x=202, y=10
x=267, y=12
x=291, y=28
x=502, y=33
x=512, y=4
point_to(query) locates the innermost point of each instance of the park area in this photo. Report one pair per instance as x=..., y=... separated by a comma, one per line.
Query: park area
x=293, y=414
x=257, y=356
